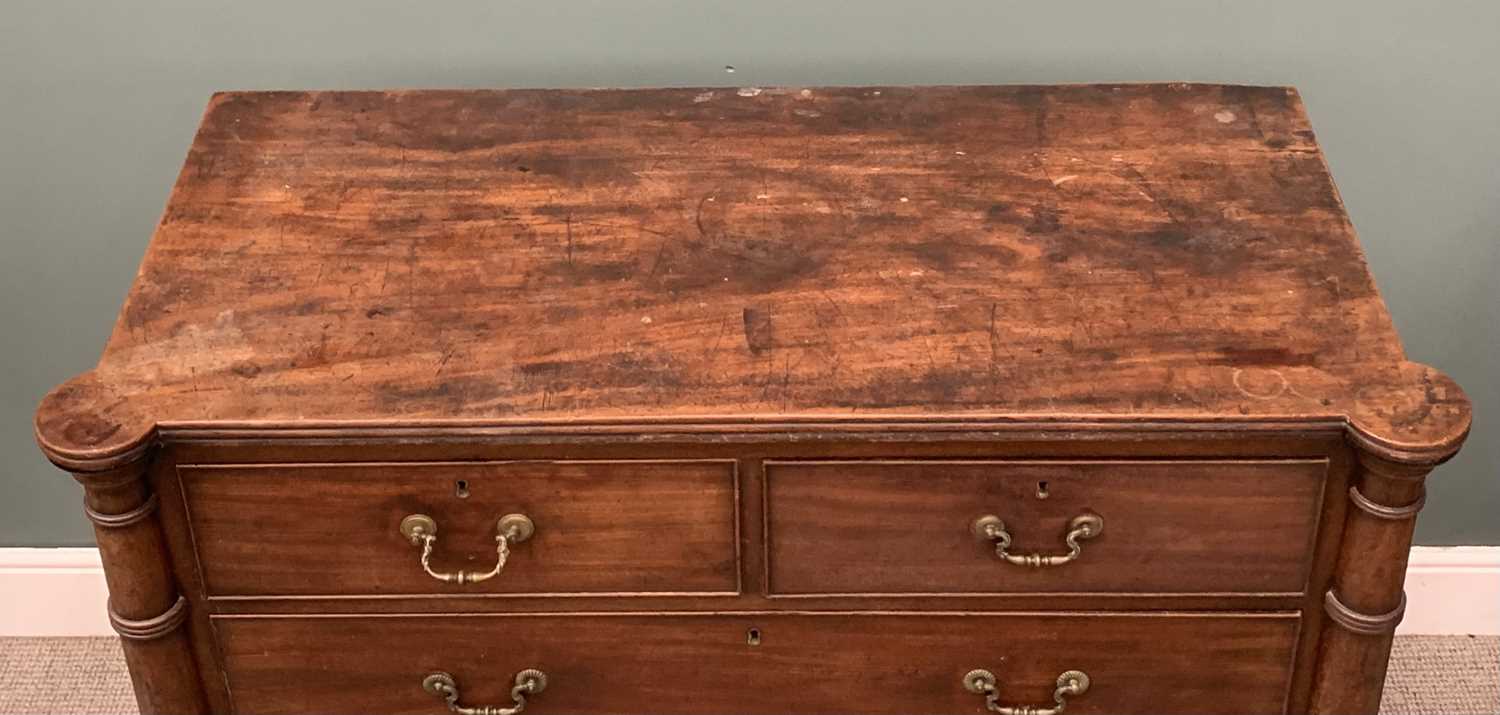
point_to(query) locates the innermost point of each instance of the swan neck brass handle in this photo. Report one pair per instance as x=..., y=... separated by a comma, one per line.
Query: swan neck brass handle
x=528, y=682
x=1082, y=528
x=421, y=531
x=983, y=682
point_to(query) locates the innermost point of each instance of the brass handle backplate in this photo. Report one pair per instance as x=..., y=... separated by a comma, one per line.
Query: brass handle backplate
x=528, y=682
x=421, y=530
x=1081, y=528
x=983, y=682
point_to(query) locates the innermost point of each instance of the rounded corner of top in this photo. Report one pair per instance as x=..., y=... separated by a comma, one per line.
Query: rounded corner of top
x=87, y=425
x=1416, y=415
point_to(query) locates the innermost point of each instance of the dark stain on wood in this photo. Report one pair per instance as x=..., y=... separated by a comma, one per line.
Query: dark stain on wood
x=384, y=255
x=467, y=289
x=758, y=330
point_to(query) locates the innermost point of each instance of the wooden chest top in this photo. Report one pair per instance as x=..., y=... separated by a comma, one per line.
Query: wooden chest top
x=722, y=259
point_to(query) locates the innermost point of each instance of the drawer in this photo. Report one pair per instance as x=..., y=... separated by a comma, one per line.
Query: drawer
x=834, y=663
x=605, y=527
x=907, y=527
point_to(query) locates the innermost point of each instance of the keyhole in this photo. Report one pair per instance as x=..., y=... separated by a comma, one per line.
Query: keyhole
x=461, y=489
x=753, y=637
x=1041, y=490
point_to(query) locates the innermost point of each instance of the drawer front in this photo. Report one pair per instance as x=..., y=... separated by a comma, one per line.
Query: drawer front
x=894, y=527
x=834, y=663
x=615, y=527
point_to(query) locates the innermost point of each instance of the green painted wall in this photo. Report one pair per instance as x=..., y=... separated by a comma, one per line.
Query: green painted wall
x=98, y=101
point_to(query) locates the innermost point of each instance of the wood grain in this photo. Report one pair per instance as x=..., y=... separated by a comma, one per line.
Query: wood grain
x=888, y=527
x=1365, y=599
x=1173, y=252
x=355, y=299
x=601, y=527
x=838, y=663
x=144, y=605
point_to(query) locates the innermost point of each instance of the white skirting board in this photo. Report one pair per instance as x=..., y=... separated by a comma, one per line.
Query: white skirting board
x=60, y=592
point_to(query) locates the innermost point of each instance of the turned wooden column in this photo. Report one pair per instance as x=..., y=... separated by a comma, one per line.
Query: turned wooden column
x=1367, y=600
x=145, y=607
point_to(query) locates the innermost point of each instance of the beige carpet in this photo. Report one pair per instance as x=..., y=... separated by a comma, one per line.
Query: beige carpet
x=1428, y=674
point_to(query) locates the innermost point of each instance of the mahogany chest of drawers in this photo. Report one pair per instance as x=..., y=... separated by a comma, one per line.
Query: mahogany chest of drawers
x=844, y=400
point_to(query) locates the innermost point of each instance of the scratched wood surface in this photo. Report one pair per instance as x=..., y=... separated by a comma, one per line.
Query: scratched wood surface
x=1141, y=251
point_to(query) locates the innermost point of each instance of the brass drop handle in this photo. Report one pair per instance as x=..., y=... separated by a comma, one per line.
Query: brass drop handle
x=1081, y=528
x=982, y=682
x=421, y=530
x=528, y=682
